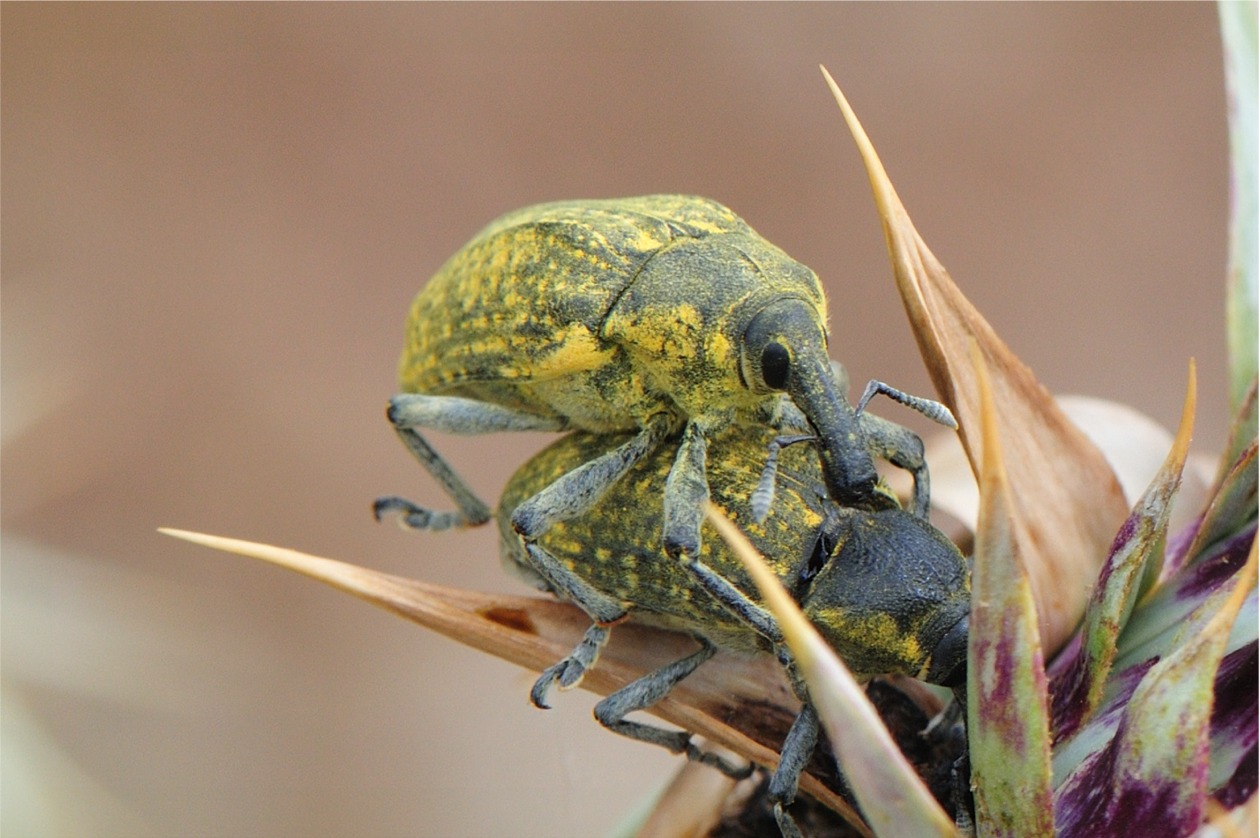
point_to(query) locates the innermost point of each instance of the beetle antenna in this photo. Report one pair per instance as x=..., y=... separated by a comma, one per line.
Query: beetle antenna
x=763, y=495
x=930, y=408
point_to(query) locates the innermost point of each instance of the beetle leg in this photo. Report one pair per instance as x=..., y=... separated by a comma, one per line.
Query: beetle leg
x=575, y=492
x=797, y=748
x=457, y=415
x=719, y=587
x=408, y=411
x=569, y=672
x=903, y=448
x=600, y=607
x=686, y=491
x=651, y=688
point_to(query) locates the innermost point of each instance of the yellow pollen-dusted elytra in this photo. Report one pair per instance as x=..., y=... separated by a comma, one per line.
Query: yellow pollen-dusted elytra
x=541, y=293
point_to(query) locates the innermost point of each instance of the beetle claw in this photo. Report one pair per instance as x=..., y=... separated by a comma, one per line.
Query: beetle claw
x=413, y=517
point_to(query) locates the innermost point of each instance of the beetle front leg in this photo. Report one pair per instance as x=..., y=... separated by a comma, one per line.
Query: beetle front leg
x=930, y=408
x=903, y=448
x=409, y=411
x=720, y=588
x=686, y=492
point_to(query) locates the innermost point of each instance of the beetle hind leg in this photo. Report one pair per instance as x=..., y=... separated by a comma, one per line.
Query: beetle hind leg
x=651, y=688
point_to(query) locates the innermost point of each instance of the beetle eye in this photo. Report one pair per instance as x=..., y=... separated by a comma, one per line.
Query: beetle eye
x=774, y=366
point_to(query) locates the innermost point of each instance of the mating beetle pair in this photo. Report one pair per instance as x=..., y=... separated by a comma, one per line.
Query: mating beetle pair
x=654, y=315
x=660, y=326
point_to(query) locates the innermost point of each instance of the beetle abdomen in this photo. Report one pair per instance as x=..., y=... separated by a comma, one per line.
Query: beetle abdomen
x=523, y=303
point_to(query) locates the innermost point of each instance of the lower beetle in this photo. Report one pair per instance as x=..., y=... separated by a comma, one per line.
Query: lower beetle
x=886, y=589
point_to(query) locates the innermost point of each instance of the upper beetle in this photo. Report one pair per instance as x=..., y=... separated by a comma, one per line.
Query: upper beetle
x=657, y=315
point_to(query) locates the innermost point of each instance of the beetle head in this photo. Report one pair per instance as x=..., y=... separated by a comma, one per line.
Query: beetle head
x=784, y=348
x=893, y=597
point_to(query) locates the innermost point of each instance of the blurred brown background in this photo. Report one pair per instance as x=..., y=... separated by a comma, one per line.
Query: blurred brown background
x=214, y=218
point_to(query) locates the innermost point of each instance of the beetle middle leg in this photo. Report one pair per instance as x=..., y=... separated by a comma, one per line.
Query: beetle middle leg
x=409, y=411
x=686, y=491
x=568, y=673
x=603, y=610
x=575, y=492
x=651, y=688
x=797, y=748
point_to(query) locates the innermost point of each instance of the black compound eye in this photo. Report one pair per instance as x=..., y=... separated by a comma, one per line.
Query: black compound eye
x=774, y=365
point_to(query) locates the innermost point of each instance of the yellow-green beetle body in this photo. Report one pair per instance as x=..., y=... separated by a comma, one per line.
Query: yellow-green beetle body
x=603, y=313
x=885, y=588
x=888, y=591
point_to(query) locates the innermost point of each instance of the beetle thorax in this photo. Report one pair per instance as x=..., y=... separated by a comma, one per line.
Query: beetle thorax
x=682, y=319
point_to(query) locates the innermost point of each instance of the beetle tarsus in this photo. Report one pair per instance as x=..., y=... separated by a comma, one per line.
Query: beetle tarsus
x=569, y=672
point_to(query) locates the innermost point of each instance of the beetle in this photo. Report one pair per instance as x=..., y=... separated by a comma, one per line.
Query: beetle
x=886, y=589
x=659, y=315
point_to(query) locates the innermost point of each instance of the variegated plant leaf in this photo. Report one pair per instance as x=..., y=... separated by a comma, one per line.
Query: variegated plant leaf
x=1159, y=625
x=892, y=797
x=1242, y=432
x=1151, y=776
x=1132, y=566
x=1008, y=716
x=1232, y=508
x=1064, y=495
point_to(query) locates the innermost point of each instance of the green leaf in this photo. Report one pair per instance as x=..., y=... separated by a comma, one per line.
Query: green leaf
x=1238, y=31
x=1152, y=777
x=1007, y=707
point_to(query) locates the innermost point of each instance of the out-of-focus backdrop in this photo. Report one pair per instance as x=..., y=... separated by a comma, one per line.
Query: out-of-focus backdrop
x=214, y=217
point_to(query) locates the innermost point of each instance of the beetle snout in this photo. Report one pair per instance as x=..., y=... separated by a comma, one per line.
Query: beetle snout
x=847, y=466
x=948, y=664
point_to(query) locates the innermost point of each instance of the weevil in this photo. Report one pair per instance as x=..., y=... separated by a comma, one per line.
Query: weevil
x=660, y=315
x=886, y=589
